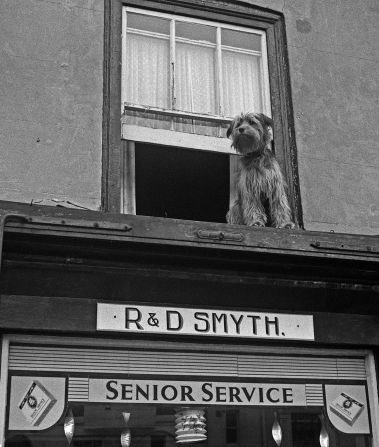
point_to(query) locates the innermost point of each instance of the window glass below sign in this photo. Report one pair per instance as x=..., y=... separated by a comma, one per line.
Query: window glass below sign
x=139, y=425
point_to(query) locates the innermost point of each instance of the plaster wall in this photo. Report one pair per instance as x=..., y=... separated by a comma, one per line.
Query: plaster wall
x=334, y=64
x=51, y=63
x=51, y=67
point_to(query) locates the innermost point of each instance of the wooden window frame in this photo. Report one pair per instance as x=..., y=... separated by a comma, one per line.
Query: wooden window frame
x=232, y=12
x=219, y=143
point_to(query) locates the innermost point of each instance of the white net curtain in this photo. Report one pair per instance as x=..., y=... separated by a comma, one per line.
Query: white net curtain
x=195, y=76
x=242, y=78
x=190, y=67
x=148, y=71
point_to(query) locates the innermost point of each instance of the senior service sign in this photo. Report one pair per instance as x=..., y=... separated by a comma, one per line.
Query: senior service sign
x=206, y=322
x=207, y=392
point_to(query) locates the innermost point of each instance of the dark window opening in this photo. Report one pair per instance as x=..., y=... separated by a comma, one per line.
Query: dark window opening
x=305, y=430
x=181, y=183
x=231, y=426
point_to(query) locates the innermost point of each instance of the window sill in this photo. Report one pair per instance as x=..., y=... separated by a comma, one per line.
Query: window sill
x=176, y=139
x=53, y=221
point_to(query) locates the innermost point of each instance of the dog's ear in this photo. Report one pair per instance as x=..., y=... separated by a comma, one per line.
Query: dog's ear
x=230, y=128
x=265, y=120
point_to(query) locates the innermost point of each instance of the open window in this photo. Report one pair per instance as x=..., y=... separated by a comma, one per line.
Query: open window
x=183, y=80
x=184, y=74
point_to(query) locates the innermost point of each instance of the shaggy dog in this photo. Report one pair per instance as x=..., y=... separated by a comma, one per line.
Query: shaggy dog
x=261, y=190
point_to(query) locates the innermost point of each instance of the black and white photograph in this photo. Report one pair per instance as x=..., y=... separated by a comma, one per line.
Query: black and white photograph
x=189, y=223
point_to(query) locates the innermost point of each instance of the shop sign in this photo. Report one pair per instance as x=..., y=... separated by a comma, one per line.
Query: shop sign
x=347, y=408
x=207, y=322
x=207, y=392
x=36, y=403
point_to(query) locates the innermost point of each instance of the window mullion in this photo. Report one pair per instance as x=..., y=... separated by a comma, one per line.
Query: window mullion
x=265, y=77
x=123, y=50
x=172, y=70
x=219, y=84
x=172, y=66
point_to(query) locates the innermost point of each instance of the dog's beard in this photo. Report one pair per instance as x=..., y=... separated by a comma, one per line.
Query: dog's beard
x=246, y=144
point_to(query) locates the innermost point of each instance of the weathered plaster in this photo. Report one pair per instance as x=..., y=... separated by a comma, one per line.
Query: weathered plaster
x=334, y=65
x=51, y=100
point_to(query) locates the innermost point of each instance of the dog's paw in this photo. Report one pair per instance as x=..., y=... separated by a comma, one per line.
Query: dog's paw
x=257, y=224
x=289, y=226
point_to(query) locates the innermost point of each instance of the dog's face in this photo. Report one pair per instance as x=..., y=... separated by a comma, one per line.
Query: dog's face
x=250, y=132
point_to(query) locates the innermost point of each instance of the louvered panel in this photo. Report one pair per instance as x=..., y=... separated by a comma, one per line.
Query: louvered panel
x=78, y=389
x=354, y=369
x=286, y=367
x=183, y=363
x=115, y=361
x=47, y=358
x=314, y=394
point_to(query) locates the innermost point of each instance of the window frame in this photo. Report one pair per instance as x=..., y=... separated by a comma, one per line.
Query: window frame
x=233, y=13
x=220, y=144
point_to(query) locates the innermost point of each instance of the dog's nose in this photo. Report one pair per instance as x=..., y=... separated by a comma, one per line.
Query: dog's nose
x=241, y=130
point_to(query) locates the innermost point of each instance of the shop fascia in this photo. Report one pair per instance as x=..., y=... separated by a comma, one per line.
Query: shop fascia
x=206, y=322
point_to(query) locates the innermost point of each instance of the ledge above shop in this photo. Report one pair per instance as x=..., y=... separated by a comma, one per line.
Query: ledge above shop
x=73, y=223
x=62, y=261
x=55, y=251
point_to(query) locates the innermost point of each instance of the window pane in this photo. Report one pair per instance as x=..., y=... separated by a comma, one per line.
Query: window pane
x=195, y=76
x=194, y=31
x=242, y=83
x=147, y=80
x=238, y=39
x=147, y=60
x=195, y=68
x=148, y=23
x=102, y=426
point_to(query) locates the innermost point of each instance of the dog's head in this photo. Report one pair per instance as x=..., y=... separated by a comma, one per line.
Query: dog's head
x=250, y=132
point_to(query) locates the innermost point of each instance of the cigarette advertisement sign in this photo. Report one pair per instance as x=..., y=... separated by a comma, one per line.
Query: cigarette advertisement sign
x=36, y=403
x=347, y=408
x=205, y=322
x=212, y=393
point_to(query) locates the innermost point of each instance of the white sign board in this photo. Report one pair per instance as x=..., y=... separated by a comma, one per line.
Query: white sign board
x=207, y=322
x=178, y=392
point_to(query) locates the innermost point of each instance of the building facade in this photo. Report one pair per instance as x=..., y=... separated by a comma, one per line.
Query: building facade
x=131, y=313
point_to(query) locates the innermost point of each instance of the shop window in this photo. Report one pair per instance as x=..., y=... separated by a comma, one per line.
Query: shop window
x=305, y=430
x=164, y=426
x=231, y=426
x=185, y=73
x=88, y=443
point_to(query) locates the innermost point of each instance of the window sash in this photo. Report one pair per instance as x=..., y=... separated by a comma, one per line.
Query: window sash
x=219, y=50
